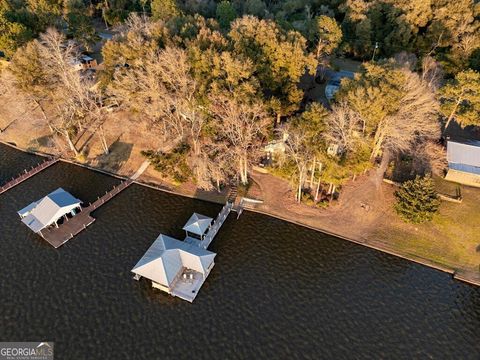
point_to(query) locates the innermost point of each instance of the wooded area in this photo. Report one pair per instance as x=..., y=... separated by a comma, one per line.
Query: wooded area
x=218, y=80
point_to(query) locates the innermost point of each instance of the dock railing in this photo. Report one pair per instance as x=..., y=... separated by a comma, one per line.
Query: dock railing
x=217, y=224
x=27, y=174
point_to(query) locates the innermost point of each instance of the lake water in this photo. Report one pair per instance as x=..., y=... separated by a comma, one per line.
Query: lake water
x=277, y=290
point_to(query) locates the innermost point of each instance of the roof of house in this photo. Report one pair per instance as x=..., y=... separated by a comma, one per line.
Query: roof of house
x=167, y=256
x=198, y=224
x=467, y=152
x=49, y=209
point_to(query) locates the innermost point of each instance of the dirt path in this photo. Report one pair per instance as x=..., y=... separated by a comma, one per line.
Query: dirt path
x=279, y=199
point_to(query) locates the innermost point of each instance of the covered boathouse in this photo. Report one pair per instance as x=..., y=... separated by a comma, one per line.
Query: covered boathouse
x=464, y=162
x=175, y=266
x=49, y=210
x=181, y=267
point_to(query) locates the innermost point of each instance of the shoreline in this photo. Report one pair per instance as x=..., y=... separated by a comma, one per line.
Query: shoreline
x=459, y=274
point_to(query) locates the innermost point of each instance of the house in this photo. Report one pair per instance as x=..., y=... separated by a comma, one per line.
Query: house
x=49, y=210
x=85, y=62
x=175, y=266
x=464, y=162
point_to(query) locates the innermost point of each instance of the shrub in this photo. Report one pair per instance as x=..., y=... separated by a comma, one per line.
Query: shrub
x=417, y=200
x=173, y=164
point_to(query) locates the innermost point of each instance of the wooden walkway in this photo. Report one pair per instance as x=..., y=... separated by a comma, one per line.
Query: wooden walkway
x=71, y=227
x=217, y=224
x=27, y=174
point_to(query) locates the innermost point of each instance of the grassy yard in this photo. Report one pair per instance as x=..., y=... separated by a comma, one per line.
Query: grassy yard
x=451, y=239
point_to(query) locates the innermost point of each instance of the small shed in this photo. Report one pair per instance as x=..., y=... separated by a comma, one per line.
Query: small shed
x=197, y=225
x=49, y=210
x=464, y=162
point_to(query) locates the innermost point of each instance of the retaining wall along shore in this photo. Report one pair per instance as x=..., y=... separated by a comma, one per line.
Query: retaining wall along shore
x=468, y=276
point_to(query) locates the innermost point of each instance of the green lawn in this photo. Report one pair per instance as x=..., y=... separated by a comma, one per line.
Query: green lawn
x=452, y=238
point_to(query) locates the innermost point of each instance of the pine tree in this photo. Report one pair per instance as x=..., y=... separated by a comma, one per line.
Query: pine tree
x=460, y=99
x=165, y=9
x=417, y=200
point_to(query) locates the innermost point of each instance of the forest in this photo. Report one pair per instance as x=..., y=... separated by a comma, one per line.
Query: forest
x=217, y=81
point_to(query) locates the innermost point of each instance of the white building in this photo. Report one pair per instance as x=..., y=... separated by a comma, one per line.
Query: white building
x=464, y=162
x=176, y=267
x=49, y=210
x=197, y=226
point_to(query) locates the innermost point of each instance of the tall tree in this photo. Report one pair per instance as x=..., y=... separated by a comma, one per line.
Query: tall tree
x=327, y=34
x=79, y=23
x=225, y=14
x=460, y=99
x=417, y=200
x=165, y=9
x=280, y=57
x=240, y=125
x=398, y=107
x=13, y=34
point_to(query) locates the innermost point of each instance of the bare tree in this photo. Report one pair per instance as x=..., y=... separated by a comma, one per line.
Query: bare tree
x=432, y=73
x=240, y=125
x=415, y=121
x=298, y=150
x=416, y=118
x=429, y=158
x=56, y=78
x=344, y=127
x=161, y=87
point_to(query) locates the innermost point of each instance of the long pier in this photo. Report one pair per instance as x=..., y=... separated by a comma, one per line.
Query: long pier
x=217, y=224
x=27, y=174
x=73, y=226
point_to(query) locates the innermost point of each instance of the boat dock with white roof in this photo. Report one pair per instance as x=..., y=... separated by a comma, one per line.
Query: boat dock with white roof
x=59, y=216
x=181, y=267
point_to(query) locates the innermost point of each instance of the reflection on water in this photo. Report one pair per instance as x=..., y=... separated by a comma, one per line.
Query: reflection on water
x=277, y=291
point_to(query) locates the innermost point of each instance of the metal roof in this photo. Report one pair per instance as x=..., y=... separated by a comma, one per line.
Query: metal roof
x=467, y=153
x=49, y=209
x=198, y=224
x=167, y=256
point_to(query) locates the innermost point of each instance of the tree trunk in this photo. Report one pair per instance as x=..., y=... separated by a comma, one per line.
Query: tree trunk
x=101, y=133
x=319, y=49
x=243, y=171
x=382, y=169
x=312, y=171
x=70, y=144
x=377, y=143
x=317, y=191
x=278, y=119
x=452, y=114
x=299, y=190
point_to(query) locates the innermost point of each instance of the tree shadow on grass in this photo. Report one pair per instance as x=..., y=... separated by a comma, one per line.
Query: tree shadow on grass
x=45, y=141
x=119, y=153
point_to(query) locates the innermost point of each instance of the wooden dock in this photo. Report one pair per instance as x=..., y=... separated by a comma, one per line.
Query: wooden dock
x=73, y=226
x=27, y=174
x=217, y=224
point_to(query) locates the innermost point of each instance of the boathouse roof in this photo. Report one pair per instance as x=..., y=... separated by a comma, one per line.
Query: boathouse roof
x=46, y=211
x=464, y=156
x=198, y=224
x=166, y=258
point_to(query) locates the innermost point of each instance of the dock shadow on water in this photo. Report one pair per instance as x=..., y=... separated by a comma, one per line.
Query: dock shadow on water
x=277, y=291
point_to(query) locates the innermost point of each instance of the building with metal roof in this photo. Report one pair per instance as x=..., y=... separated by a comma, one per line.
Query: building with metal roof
x=176, y=267
x=49, y=210
x=198, y=224
x=464, y=162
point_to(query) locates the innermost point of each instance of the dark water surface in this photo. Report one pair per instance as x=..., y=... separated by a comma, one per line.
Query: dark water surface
x=277, y=290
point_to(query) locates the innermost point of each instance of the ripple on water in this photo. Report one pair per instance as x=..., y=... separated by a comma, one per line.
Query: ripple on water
x=277, y=291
